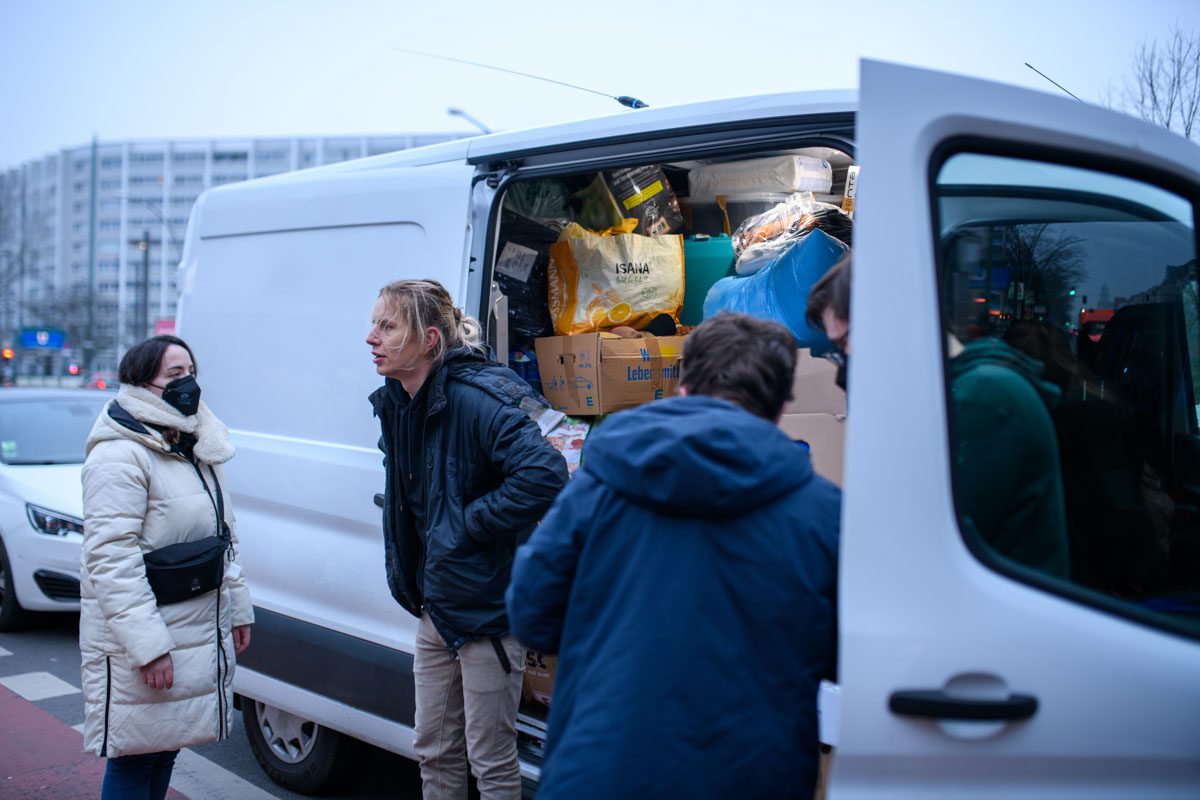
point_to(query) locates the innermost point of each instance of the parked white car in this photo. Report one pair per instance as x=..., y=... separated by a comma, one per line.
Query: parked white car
x=963, y=671
x=42, y=435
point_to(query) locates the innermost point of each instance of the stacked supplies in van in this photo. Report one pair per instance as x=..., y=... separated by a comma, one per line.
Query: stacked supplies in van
x=722, y=196
x=627, y=277
x=779, y=289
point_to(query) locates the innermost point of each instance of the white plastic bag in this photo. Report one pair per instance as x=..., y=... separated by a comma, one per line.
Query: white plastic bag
x=783, y=174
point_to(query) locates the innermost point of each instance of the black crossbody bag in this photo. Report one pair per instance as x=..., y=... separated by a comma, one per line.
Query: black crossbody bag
x=182, y=571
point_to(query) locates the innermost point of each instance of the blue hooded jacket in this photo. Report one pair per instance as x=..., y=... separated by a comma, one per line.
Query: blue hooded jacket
x=687, y=579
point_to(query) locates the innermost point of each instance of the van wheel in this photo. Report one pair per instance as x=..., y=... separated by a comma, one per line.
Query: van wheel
x=295, y=752
x=11, y=614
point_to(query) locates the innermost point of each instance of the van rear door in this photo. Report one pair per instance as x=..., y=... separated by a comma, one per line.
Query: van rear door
x=970, y=666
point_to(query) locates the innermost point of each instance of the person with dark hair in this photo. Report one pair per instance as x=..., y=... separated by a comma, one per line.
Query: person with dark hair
x=157, y=669
x=686, y=580
x=468, y=476
x=829, y=310
x=829, y=304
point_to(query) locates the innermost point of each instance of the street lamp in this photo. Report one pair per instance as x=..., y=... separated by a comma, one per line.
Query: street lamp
x=143, y=244
x=153, y=209
x=458, y=112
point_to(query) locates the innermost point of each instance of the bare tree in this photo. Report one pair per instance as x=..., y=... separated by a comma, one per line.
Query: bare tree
x=1164, y=85
x=13, y=249
x=1048, y=261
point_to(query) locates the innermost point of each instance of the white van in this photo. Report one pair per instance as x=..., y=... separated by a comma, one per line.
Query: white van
x=964, y=670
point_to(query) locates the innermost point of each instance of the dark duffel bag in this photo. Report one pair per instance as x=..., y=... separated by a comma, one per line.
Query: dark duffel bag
x=182, y=571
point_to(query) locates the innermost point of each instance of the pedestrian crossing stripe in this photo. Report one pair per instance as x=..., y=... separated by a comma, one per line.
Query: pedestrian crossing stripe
x=34, y=686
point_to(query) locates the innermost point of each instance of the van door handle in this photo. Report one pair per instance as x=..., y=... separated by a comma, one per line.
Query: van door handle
x=379, y=500
x=939, y=705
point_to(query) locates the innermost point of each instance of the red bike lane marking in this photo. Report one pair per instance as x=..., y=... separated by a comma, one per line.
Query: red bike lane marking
x=41, y=757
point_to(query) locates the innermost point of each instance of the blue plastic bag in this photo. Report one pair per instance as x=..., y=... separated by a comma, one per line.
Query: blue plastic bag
x=779, y=291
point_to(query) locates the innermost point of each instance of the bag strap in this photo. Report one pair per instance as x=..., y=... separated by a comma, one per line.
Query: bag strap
x=224, y=529
x=218, y=501
x=498, y=646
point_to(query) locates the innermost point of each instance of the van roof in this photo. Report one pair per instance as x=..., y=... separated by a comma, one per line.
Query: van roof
x=617, y=125
x=668, y=118
x=237, y=205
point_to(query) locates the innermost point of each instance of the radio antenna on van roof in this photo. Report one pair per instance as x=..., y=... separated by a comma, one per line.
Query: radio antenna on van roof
x=1047, y=77
x=625, y=100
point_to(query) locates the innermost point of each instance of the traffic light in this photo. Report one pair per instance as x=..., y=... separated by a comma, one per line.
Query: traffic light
x=72, y=369
x=1071, y=292
x=7, y=353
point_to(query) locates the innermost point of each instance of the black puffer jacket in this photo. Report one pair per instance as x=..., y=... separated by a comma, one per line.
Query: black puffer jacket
x=489, y=477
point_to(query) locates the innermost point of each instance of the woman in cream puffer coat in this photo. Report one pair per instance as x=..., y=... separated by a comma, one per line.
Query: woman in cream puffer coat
x=155, y=678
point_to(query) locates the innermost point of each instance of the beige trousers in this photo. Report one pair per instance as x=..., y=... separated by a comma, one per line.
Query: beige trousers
x=467, y=712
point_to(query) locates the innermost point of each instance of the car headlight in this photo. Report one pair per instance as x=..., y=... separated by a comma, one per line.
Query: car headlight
x=52, y=522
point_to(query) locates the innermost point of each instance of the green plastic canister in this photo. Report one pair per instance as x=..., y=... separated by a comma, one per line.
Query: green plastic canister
x=706, y=259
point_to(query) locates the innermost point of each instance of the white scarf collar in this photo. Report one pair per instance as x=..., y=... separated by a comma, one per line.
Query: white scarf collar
x=212, y=437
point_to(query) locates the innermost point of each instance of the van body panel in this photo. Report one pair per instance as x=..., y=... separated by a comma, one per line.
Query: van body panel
x=339, y=196
x=1116, y=700
x=278, y=637
x=280, y=279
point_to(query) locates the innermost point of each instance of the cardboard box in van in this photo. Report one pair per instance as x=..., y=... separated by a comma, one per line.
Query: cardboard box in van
x=539, y=676
x=816, y=414
x=597, y=373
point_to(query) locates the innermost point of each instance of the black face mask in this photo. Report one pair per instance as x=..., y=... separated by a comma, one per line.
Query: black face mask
x=182, y=394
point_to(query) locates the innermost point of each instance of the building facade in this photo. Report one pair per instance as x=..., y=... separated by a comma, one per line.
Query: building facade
x=90, y=237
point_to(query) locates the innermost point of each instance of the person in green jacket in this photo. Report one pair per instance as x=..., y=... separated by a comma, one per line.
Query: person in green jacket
x=1007, y=475
x=1008, y=482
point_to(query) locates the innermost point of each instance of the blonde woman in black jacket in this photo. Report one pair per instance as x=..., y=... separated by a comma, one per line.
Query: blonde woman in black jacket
x=468, y=477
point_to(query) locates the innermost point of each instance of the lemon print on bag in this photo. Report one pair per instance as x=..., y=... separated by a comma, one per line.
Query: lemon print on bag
x=619, y=313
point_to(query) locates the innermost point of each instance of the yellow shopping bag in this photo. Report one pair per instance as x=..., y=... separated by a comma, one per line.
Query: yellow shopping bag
x=602, y=279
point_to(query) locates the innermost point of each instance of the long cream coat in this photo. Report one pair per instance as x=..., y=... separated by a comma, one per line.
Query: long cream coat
x=137, y=497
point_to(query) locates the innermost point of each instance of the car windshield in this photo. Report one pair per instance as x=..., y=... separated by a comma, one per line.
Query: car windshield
x=47, y=431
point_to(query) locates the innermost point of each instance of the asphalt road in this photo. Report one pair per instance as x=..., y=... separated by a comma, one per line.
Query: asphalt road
x=50, y=645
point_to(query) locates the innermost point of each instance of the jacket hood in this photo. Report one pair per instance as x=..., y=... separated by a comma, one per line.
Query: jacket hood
x=134, y=412
x=695, y=456
x=994, y=352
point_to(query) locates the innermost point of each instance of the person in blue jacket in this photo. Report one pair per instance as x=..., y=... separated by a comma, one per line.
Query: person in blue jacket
x=686, y=578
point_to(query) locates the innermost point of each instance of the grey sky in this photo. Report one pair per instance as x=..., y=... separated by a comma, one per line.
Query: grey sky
x=135, y=69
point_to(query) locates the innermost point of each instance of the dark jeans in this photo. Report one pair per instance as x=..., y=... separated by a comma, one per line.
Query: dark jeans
x=141, y=777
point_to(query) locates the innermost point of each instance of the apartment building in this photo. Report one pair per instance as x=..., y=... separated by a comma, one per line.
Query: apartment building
x=90, y=237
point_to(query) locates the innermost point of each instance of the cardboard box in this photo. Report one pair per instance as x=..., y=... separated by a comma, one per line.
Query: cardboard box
x=814, y=387
x=816, y=414
x=597, y=373
x=539, y=677
x=825, y=435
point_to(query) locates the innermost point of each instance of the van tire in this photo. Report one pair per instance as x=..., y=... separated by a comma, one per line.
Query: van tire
x=314, y=759
x=12, y=616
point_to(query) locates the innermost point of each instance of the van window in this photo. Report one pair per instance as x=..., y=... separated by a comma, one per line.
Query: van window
x=1069, y=299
